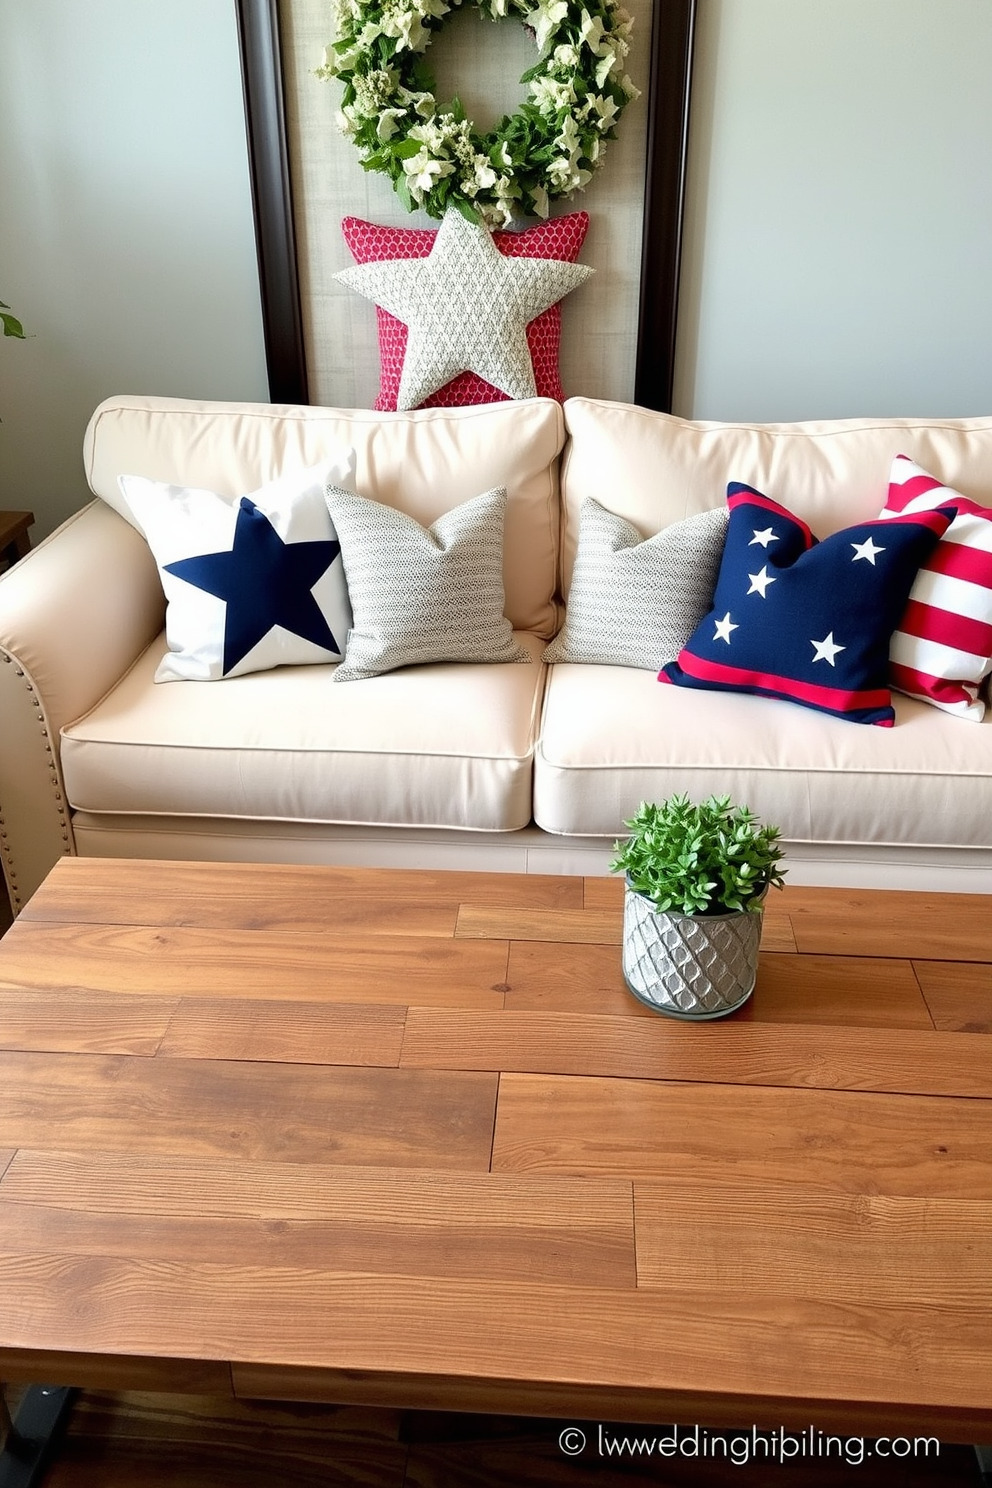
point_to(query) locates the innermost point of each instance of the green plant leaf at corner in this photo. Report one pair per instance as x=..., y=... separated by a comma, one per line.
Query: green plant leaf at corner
x=11, y=325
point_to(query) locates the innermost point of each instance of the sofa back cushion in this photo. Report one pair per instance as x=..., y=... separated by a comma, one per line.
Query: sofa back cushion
x=653, y=469
x=423, y=463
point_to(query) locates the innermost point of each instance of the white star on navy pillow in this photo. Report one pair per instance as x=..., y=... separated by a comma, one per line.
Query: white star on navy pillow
x=265, y=582
x=868, y=550
x=827, y=649
x=760, y=581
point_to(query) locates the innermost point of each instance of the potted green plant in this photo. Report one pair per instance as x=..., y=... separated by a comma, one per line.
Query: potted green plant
x=696, y=878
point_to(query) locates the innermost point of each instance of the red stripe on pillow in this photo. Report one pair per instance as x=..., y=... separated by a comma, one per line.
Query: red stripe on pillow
x=901, y=494
x=938, y=518
x=839, y=698
x=935, y=689
x=947, y=629
x=961, y=562
x=959, y=621
x=755, y=498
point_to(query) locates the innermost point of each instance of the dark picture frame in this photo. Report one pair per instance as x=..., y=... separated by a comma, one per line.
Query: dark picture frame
x=673, y=24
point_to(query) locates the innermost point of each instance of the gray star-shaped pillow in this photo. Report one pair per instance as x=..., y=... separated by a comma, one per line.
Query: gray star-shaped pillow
x=422, y=594
x=635, y=602
x=466, y=308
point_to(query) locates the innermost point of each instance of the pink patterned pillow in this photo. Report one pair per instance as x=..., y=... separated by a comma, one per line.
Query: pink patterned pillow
x=560, y=238
x=942, y=649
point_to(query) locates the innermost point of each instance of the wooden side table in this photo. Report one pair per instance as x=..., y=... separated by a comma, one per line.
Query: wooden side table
x=14, y=540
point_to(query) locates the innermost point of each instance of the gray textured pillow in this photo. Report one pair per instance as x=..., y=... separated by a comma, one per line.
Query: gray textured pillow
x=422, y=594
x=635, y=602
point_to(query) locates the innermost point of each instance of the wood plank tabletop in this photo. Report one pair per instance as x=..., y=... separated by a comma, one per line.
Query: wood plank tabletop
x=405, y=1138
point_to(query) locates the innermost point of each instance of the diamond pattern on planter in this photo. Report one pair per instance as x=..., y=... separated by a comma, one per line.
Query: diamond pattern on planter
x=689, y=966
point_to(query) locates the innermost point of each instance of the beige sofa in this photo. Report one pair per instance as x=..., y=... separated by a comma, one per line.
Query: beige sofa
x=516, y=767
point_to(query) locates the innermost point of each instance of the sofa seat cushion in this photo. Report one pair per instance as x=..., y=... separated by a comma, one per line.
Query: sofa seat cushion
x=449, y=745
x=613, y=737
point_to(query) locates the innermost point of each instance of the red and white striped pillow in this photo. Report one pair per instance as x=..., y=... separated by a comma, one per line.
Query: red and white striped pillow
x=942, y=649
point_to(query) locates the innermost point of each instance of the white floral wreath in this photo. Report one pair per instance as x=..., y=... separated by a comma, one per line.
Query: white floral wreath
x=437, y=159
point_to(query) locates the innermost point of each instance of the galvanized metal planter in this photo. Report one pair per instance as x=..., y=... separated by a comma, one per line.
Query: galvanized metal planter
x=689, y=966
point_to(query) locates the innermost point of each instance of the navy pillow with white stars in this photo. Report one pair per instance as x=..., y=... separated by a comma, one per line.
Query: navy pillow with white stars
x=804, y=620
x=265, y=582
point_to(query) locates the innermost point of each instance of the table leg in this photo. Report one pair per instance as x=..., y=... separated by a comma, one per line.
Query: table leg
x=26, y=1442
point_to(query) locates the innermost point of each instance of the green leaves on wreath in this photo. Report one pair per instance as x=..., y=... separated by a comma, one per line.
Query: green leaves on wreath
x=546, y=150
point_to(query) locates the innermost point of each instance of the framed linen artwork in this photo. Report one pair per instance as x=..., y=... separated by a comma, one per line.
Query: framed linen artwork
x=618, y=331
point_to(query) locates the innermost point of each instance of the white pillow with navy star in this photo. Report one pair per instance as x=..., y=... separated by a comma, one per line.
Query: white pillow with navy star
x=252, y=583
x=805, y=620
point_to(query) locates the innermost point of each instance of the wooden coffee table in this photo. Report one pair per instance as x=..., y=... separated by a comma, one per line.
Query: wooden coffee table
x=404, y=1138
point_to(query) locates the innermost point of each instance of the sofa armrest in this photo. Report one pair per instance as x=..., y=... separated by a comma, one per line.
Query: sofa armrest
x=74, y=614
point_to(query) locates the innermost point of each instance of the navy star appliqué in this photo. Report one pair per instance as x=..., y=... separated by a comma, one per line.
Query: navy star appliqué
x=264, y=582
